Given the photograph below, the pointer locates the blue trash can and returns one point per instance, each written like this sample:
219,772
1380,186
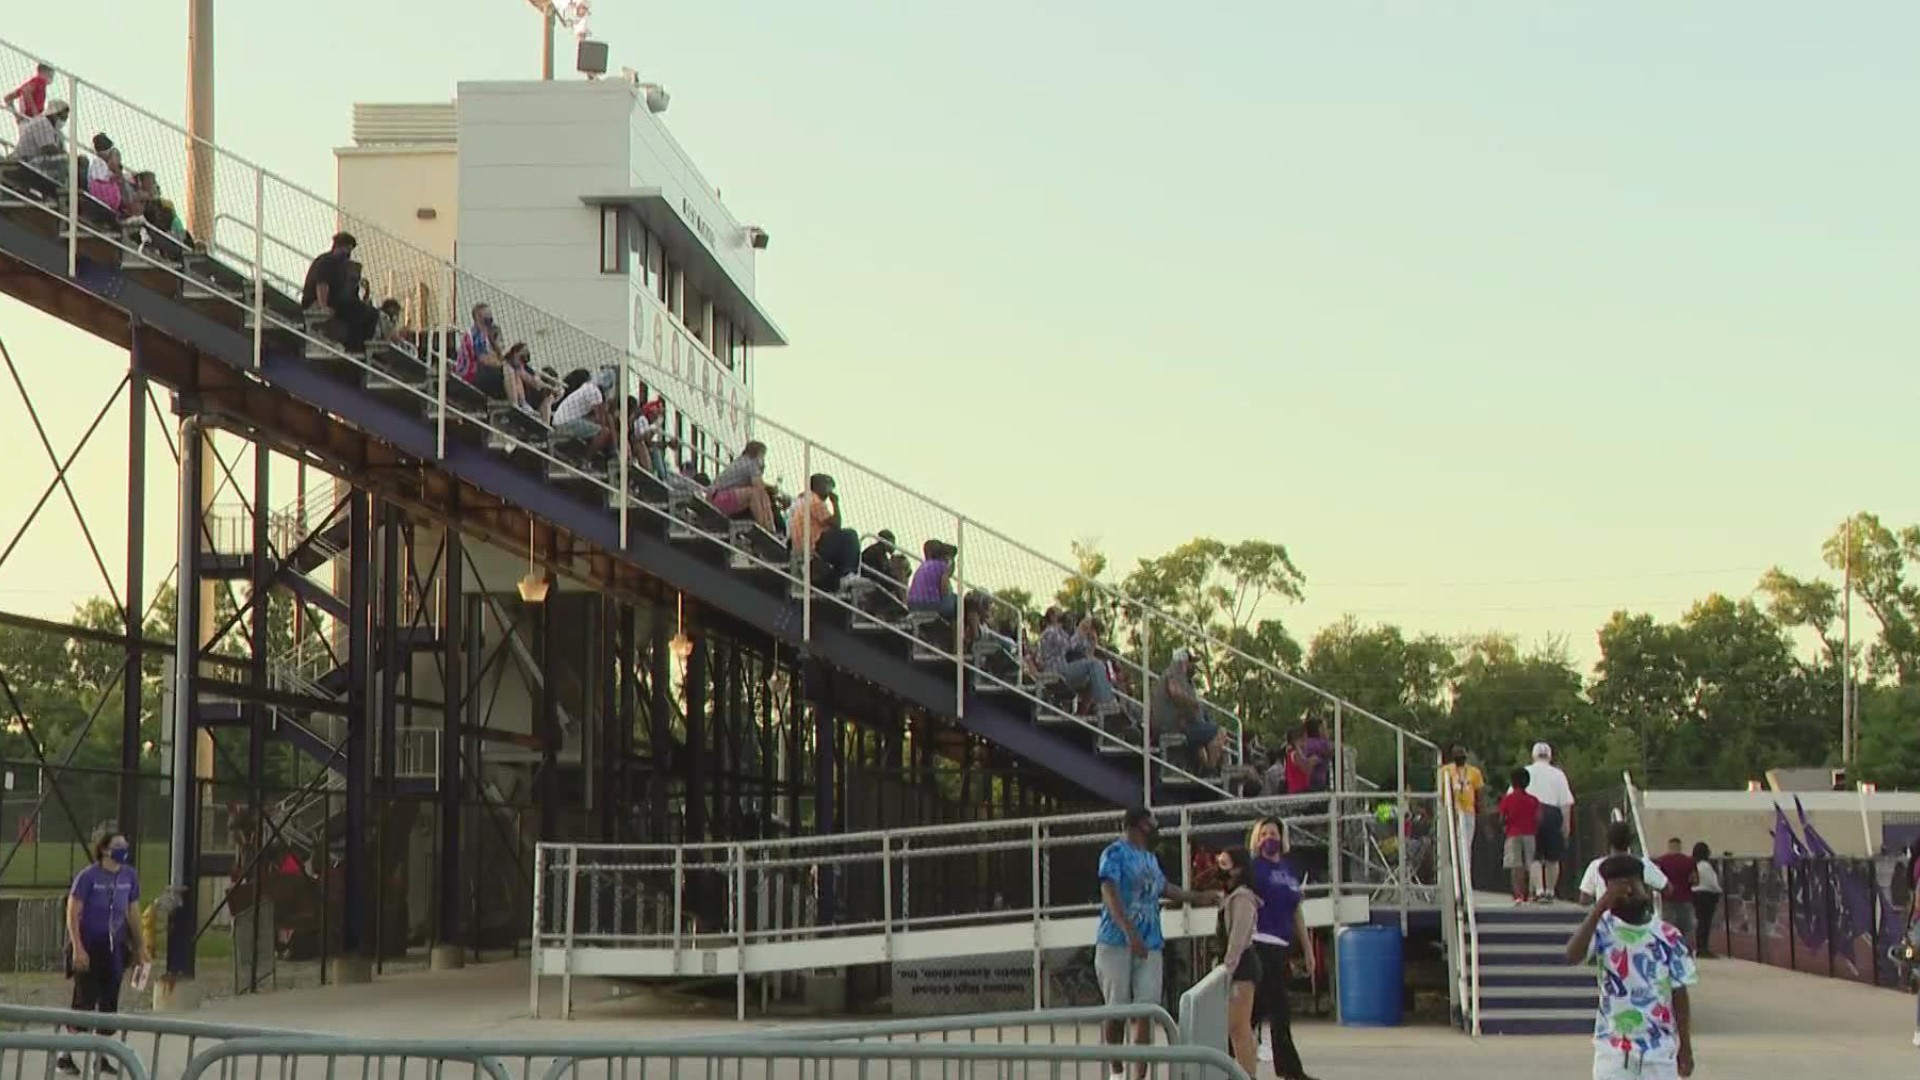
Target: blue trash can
1371,973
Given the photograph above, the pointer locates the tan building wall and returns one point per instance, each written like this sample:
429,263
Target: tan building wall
401,178
1741,823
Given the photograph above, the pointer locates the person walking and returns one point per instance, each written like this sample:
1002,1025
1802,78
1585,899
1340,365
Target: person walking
1239,913
1128,945
1281,924
1520,814
1676,900
1644,1026
102,934
1464,783
1619,842
1706,899
1548,784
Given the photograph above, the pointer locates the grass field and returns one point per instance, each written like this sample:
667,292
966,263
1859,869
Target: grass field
49,867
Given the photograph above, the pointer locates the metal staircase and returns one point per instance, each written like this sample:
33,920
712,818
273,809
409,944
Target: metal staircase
222,325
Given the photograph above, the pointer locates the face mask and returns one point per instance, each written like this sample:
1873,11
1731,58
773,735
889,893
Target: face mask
1634,911
117,854
1459,759
1269,849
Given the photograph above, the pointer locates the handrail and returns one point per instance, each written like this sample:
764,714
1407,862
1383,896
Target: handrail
1466,921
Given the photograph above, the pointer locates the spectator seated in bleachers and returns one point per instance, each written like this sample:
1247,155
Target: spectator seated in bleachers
332,289
884,563
1069,656
931,588
42,150
741,491
391,328
1176,706
814,521
688,481
29,99
582,417
166,230
650,438
506,377
106,177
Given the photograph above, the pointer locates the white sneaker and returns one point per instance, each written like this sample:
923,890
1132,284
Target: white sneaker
1265,1052
1916,1038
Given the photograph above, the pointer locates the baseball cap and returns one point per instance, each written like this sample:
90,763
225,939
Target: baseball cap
1182,655
1542,752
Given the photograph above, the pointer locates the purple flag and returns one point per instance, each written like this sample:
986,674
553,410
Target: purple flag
1786,847
1816,844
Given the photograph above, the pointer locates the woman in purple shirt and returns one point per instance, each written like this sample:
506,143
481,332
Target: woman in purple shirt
103,931
932,586
1280,926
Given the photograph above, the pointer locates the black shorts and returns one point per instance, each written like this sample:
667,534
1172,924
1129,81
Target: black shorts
491,381
1248,969
1550,838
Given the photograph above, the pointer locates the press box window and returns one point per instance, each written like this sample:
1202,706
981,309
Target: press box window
613,241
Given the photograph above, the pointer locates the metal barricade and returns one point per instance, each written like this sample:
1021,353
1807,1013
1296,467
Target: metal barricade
1203,1011
162,1044
741,1058
30,1055
1042,1027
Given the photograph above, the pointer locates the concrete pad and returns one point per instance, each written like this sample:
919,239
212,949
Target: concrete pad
1751,1020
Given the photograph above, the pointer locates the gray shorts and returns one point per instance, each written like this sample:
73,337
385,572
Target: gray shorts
584,430
1126,979
1519,853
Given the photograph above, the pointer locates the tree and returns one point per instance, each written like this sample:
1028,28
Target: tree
1379,668
1505,700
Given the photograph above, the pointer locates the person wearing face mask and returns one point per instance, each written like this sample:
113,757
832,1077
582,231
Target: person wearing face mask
102,933
1281,923
1466,783
1644,1028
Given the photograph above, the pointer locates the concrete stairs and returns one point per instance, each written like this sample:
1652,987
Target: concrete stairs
1526,985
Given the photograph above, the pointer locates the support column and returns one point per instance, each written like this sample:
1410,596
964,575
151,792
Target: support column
796,724
628,714
389,638
453,636
697,759
131,704
612,669
200,170
261,586
548,788
825,751
660,730
185,832
355,964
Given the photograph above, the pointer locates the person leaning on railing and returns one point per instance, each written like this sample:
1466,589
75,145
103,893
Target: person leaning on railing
41,150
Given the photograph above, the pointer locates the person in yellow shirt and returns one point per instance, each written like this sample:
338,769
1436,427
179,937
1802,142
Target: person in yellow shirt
1465,783
814,521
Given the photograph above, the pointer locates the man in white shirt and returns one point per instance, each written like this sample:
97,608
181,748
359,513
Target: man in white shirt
582,415
1548,784
1619,842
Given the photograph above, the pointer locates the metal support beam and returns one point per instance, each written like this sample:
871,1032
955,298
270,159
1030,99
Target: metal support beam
660,729
453,637
549,786
391,539
698,827
184,868
132,703
353,923
261,607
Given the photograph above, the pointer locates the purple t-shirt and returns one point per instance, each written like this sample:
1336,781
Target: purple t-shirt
1318,748
105,897
925,586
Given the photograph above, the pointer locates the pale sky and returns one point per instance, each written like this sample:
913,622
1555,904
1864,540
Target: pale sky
1499,315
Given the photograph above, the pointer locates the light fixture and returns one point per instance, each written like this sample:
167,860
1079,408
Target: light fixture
654,95
681,646
533,587
757,238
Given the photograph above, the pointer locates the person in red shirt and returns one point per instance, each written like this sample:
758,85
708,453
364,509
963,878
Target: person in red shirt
1677,899
29,99
1521,814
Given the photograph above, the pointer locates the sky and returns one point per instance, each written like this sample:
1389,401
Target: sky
1500,315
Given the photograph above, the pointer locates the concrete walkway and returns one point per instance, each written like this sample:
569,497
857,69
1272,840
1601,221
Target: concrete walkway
1752,1021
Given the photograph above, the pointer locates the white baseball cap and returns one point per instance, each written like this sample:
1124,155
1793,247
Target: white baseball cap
1542,752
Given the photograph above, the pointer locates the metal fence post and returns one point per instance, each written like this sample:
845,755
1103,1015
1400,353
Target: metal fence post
73,177
1039,954
1146,709
740,930
573,897
806,550
533,962
886,895
959,617
679,890
259,274
1402,823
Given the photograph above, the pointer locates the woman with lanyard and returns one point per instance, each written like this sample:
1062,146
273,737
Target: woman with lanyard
1281,923
102,933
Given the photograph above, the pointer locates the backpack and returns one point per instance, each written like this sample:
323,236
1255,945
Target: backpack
466,363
